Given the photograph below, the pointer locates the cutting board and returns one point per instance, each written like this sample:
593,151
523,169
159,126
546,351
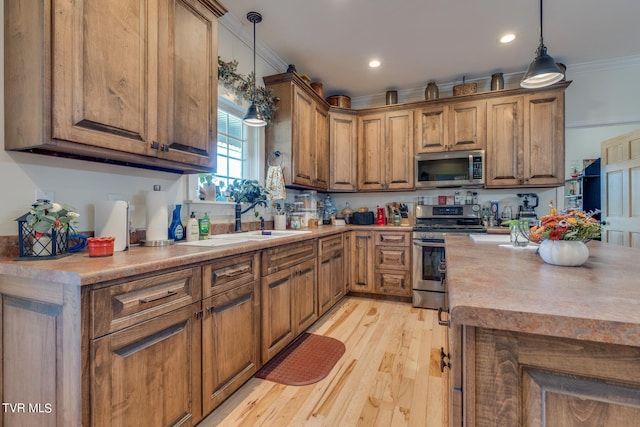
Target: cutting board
112,219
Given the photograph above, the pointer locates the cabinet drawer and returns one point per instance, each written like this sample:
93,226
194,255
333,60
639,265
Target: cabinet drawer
122,305
391,257
285,256
329,244
221,275
393,238
393,283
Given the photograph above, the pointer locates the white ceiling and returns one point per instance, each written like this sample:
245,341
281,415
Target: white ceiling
419,41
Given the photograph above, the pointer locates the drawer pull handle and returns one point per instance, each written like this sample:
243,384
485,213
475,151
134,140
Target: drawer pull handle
231,272
440,321
167,295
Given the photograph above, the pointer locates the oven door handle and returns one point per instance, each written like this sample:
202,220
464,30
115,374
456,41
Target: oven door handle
425,243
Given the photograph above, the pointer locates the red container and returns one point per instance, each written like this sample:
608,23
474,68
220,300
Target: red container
100,246
442,200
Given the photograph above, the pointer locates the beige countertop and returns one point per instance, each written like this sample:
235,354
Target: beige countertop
500,287
80,269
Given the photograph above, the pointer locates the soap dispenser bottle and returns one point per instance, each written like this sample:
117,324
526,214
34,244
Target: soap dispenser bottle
193,231
176,230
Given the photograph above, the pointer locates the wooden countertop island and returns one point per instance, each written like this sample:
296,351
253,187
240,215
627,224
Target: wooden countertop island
537,344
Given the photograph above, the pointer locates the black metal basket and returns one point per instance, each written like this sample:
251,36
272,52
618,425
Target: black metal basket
32,244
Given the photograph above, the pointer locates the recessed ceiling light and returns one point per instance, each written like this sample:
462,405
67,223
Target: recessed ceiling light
374,63
507,38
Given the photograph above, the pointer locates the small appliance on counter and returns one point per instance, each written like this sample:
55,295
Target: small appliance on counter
528,205
380,216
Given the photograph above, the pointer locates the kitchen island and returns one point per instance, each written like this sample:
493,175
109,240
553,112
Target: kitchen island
538,344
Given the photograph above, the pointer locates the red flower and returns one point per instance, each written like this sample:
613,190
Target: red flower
555,235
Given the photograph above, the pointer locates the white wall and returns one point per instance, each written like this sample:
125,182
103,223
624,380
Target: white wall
601,103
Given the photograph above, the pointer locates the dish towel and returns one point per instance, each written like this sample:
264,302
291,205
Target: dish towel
275,183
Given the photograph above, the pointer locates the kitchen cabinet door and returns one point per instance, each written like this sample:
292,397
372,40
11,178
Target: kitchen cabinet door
362,261
331,282
371,152
400,142
278,327
505,141
544,139
188,95
343,140
148,374
304,296
105,74
230,342
432,129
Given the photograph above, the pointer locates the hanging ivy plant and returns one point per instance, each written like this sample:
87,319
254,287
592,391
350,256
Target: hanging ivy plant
242,86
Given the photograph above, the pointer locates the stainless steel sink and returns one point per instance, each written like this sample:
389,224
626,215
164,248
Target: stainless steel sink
274,234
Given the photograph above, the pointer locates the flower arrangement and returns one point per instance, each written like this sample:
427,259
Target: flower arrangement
571,225
243,86
45,216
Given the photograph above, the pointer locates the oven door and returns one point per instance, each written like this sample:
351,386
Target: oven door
429,289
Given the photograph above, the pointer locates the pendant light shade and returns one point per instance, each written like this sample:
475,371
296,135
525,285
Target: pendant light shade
253,117
543,70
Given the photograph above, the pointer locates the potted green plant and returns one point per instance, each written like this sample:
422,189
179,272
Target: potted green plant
249,192
210,187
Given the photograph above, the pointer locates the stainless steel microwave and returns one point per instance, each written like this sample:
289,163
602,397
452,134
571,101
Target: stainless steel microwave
450,169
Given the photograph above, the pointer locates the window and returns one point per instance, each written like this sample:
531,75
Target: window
230,150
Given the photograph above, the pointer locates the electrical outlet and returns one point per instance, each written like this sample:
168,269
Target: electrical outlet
45,194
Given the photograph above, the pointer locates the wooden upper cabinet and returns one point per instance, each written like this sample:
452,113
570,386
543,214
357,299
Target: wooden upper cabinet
300,132
526,140
505,136
188,96
343,150
385,151
128,81
451,126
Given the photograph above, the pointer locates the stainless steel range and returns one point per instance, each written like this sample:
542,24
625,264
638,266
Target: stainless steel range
432,223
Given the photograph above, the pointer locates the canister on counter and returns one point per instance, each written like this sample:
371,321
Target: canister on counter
442,200
495,211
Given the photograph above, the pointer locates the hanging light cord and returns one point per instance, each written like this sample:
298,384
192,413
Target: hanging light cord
541,39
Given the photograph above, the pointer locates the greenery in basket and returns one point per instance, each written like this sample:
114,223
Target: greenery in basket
43,218
571,225
243,86
248,191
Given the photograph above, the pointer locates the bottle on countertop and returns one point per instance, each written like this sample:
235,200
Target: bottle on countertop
552,209
193,230
176,230
203,226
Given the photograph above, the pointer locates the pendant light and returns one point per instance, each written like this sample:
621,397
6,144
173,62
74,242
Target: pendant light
543,70
254,117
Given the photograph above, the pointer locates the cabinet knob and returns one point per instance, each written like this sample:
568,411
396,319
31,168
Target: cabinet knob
165,148
155,145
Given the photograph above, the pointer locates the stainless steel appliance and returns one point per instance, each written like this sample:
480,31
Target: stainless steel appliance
450,169
528,205
432,223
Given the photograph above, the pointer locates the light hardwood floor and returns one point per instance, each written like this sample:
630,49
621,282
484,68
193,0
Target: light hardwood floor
388,376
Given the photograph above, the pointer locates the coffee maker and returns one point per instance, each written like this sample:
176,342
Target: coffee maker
527,207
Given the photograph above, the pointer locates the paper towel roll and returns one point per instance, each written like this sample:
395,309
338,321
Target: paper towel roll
157,215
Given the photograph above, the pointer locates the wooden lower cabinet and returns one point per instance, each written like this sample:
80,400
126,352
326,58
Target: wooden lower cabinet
517,379
288,294
331,282
148,374
230,342
361,261
381,262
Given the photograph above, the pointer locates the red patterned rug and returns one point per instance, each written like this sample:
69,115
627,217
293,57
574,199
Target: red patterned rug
307,360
